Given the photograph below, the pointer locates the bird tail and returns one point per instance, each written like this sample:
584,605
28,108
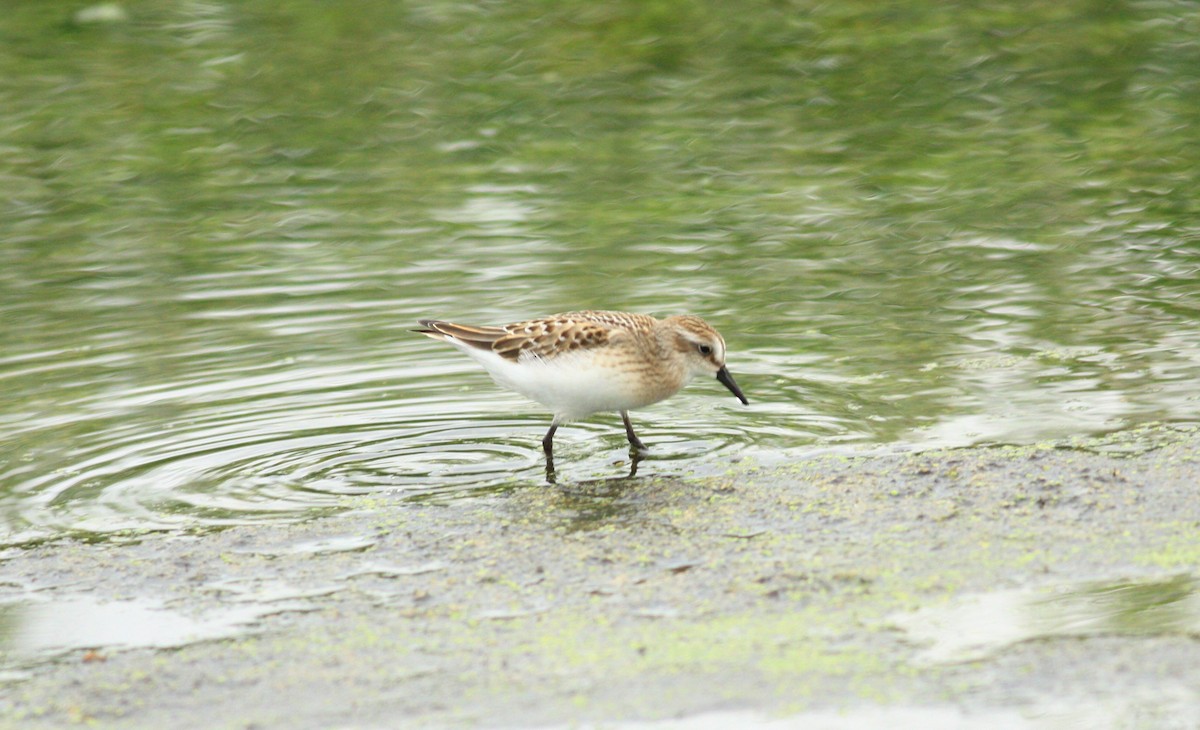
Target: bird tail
479,337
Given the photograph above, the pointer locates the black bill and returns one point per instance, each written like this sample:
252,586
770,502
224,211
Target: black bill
727,380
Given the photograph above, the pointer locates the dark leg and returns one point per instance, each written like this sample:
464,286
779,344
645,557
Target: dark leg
634,441
548,440
635,457
548,447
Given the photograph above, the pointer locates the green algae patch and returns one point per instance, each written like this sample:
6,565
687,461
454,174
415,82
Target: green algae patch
788,643
1179,550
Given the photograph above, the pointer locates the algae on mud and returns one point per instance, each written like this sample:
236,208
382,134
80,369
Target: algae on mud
772,591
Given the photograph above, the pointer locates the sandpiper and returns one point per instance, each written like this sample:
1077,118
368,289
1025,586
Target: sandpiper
580,363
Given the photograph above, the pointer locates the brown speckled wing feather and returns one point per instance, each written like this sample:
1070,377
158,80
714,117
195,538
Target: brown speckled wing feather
546,337
622,320
559,334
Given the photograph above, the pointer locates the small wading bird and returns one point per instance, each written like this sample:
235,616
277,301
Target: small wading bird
580,363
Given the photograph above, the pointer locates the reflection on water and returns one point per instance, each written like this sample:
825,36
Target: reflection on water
962,227
979,626
37,630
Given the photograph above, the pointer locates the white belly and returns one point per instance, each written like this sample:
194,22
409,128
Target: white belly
572,386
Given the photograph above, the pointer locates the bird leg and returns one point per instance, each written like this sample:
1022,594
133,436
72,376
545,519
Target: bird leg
634,441
548,439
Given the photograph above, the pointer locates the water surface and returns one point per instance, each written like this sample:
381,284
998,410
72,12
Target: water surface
936,224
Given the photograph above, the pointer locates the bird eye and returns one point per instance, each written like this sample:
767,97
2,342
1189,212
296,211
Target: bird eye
705,350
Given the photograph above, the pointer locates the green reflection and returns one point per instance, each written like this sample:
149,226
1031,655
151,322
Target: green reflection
977,627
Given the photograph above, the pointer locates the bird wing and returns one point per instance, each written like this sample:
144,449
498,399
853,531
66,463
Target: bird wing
552,336
545,337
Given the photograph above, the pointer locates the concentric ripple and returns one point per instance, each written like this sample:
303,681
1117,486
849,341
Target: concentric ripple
276,444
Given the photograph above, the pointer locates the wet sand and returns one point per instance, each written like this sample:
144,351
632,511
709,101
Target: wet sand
986,587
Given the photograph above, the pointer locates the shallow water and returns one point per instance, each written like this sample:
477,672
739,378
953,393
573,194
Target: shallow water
72,623
979,626
932,225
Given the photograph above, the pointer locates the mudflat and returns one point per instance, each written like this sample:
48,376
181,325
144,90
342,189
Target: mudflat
980,587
